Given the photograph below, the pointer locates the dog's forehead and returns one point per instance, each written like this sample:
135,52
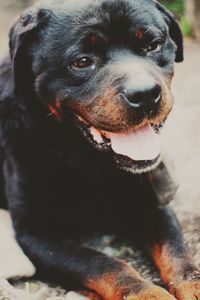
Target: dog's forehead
71,25
92,12
77,4
136,11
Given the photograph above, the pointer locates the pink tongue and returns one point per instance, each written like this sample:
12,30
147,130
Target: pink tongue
141,144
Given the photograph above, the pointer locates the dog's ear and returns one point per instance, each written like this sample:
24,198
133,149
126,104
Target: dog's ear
174,30
22,35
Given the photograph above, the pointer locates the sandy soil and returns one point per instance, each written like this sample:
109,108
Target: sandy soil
181,144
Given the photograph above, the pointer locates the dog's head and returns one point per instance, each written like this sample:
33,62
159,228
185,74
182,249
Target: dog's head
107,65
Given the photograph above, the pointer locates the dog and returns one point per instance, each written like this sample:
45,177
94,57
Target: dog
84,94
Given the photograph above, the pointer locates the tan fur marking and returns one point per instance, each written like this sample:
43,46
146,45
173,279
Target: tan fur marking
55,109
152,293
94,40
90,294
140,34
164,262
112,286
172,272
189,290
109,111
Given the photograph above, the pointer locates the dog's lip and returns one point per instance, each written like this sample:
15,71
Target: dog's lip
103,139
157,127
136,167
96,137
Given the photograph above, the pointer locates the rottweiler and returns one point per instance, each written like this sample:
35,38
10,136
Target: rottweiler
84,94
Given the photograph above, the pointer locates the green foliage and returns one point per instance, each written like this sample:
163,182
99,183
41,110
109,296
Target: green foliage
186,26
175,6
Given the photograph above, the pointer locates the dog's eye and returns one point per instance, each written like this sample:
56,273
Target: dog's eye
82,63
153,47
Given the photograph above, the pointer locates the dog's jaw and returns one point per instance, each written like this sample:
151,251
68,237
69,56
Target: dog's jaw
145,169
104,141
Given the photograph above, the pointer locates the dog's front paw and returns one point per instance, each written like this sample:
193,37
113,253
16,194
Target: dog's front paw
188,290
83,295
152,293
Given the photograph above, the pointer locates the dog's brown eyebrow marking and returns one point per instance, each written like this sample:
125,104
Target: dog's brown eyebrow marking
94,39
140,34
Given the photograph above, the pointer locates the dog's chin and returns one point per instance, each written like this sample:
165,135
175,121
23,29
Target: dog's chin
135,167
104,141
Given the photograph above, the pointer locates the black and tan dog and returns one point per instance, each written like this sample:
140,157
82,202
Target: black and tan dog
83,98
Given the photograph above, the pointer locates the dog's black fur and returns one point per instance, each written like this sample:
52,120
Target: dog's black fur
59,184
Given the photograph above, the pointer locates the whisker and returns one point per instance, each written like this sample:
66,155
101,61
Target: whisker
49,115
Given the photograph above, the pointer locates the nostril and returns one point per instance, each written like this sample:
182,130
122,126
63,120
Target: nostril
122,90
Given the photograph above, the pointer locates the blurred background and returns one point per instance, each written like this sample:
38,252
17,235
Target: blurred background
188,14
181,136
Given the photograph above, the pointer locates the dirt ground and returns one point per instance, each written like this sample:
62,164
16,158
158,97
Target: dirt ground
181,140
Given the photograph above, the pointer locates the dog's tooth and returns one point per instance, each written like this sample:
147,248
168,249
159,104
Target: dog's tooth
96,135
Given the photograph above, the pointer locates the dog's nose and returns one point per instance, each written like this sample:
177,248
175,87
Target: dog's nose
145,98
139,97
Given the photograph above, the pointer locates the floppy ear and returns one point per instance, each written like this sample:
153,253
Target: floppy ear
22,35
174,30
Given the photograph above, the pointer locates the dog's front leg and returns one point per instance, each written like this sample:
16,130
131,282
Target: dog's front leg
61,259
171,255
55,255
78,267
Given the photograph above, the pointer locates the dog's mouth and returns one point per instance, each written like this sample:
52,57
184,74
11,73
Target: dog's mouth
136,150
